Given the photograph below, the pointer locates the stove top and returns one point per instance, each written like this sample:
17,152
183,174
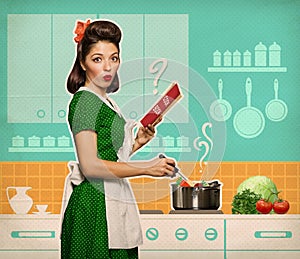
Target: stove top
151,212
196,212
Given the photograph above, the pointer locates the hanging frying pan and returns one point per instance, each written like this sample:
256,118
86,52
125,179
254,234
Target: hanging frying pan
249,122
276,110
220,110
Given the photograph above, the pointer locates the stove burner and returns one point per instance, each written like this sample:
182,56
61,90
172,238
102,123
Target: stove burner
196,212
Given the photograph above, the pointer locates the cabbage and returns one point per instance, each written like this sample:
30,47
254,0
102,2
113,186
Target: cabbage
260,185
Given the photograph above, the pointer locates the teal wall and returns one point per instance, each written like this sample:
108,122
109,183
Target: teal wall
186,33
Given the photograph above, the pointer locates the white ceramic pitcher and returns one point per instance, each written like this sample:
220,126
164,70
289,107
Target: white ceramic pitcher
21,203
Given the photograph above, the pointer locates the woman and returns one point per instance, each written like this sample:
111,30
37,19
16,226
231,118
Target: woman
101,219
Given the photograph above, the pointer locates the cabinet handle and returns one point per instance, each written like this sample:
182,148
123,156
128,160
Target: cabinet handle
33,234
41,113
61,113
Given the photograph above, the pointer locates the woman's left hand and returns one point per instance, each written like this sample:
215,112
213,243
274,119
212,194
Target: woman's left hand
145,134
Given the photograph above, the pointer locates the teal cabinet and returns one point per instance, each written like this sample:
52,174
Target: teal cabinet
130,95
41,51
63,55
29,68
147,39
167,38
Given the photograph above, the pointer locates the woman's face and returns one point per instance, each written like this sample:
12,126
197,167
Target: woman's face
101,65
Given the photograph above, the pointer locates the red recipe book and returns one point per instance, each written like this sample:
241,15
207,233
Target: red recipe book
169,98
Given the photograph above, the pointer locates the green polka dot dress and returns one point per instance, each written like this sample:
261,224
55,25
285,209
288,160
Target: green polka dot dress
84,228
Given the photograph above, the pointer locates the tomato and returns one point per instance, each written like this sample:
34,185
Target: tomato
184,184
198,185
264,206
281,206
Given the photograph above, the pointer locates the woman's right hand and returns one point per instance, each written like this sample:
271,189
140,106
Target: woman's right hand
160,167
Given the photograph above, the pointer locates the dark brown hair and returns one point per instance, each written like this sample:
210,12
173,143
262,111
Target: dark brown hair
96,31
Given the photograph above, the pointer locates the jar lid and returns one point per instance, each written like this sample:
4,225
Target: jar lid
274,46
260,46
48,138
34,138
227,52
63,138
18,137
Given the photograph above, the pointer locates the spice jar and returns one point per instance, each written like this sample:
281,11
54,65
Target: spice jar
260,55
274,55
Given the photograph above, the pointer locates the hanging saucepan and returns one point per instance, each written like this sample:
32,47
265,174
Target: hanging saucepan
220,110
249,122
276,109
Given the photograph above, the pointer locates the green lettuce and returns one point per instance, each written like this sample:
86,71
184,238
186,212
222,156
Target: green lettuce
260,185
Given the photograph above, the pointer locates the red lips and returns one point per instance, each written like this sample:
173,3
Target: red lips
107,77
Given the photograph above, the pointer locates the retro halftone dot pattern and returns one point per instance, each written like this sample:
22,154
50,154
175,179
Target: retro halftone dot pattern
86,221
88,112
86,210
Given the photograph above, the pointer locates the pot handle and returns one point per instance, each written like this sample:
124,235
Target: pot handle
195,191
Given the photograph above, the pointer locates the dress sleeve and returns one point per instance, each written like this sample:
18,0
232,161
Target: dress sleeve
84,112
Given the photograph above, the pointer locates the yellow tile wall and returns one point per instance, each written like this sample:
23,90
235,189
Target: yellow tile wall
45,178
47,182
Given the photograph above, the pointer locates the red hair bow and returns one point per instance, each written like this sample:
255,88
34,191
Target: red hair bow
79,30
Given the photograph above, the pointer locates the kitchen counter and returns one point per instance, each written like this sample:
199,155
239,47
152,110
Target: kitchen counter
168,236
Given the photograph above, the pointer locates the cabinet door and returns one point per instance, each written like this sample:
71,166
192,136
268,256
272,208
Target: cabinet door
64,54
29,68
145,38
130,96
166,36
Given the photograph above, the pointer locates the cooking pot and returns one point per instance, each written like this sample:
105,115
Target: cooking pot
196,198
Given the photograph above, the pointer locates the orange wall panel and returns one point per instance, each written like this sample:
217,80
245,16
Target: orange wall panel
47,182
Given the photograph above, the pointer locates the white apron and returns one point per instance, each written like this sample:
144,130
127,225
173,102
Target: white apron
123,222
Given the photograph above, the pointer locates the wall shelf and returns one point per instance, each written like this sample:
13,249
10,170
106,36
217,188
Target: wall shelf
41,149
166,149
70,149
247,69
